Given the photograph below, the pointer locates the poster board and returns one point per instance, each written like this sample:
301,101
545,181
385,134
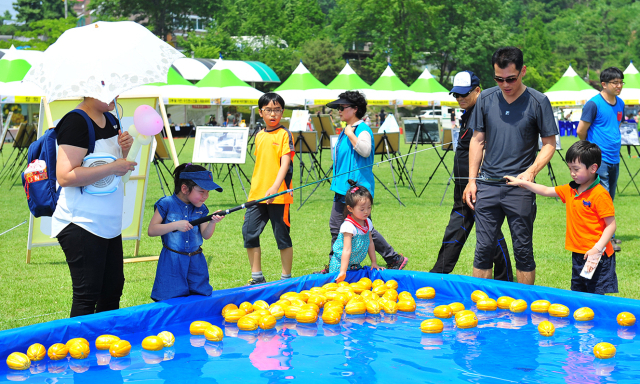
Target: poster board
322,123
558,143
393,140
629,134
220,145
334,141
162,152
430,132
135,189
450,135
5,129
299,120
308,145
390,125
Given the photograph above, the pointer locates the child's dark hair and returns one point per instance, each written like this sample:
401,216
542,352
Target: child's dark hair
356,98
585,152
185,167
507,55
269,97
356,193
610,74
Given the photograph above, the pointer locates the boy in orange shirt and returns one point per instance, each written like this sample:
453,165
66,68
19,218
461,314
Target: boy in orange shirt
272,174
590,219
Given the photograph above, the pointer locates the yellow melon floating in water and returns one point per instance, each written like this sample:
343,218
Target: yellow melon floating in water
312,307
304,295
246,306
284,303
373,307
380,290
36,352
343,284
407,306
358,287
626,319
546,328
487,304
583,314
316,299
57,351
317,291
79,350
391,294
167,338
366,282
267,322
467,320
231,316
277,311
291,311
389,307
307,316
261,313
120,348
518,306
504,302
432,326
103,342
391,284
604,350
198,327
377,282
330,316
18,361
297,302
456,307
248,323
477,295
289,296
404,295
355,308
558,310
442,311
75,340
540,306
228,307
260,304
426,293
213,333
153,343
462,313
330,286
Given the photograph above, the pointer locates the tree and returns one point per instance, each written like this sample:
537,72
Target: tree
45,32
322,58
35,10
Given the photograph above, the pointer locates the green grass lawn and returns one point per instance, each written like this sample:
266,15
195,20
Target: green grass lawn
41,291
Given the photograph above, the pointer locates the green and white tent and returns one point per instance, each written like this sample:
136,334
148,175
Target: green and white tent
14,65
225,88
389,90
570,90
348,80
302,88
176,88
430,91
631,90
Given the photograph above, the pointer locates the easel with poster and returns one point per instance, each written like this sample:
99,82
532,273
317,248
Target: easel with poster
629,138
136,188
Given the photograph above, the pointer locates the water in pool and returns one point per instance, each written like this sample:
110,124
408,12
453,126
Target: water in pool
504,348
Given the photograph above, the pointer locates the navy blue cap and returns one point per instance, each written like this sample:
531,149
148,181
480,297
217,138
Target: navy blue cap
464,82
204,180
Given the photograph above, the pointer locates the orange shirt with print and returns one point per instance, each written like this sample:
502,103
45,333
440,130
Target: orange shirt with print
270,146
585,216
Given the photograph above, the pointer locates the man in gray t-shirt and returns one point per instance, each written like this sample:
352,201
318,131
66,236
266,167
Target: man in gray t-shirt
507,121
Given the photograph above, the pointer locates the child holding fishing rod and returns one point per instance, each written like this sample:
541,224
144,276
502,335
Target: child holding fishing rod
182,268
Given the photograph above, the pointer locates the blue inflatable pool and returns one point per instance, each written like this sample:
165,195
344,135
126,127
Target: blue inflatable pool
503,348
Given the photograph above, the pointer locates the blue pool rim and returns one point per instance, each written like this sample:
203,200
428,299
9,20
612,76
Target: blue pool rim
155,316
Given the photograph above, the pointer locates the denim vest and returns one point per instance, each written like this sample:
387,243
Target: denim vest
346,159
171,208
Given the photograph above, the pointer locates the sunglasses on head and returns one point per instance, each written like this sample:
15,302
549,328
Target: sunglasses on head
343,107
509,80
463,95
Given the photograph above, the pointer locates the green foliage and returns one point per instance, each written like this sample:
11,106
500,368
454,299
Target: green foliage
45,32
35,10
322,58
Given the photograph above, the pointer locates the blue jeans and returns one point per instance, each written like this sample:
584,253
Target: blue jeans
609,177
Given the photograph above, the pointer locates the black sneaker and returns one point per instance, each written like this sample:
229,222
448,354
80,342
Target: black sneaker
616,241
616,247
324,271
253,281
400,263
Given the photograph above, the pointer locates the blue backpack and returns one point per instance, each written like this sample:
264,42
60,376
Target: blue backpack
42,196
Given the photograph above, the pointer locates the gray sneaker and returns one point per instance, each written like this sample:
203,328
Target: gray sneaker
616,247
253,281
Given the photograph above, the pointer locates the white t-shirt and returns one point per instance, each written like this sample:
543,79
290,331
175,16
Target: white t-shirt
348,227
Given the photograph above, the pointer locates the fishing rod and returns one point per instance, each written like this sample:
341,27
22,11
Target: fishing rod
254,202
484,178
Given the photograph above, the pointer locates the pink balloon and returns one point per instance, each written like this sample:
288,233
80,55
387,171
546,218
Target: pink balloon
147,120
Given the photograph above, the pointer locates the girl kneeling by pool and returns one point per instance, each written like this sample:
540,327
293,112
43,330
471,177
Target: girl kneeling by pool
354,241
182,268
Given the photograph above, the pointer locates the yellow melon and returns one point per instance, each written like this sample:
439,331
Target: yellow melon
504,302
604,350
366,282
377,282
79,350
518,306
330,286
389,307
391,294
358,287
318,300
404,295
442,311
228,307
546,328
432,326
57,351
355,308
330,316
307,315
248,323
103,342
198,326
75,340
392,284
626,319
246,306
583,314
36,352
426,293
260,304
406,306
477,295
213,333
231,316
468,320
380,290
18,361
540,306
291,311
267,322
456,307
167,338
558,310
153,343
120,348
487,304
304,295
373,307
462,313
277,311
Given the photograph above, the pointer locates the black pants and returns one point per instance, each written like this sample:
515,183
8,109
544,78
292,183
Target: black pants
382,247
96,268
455,235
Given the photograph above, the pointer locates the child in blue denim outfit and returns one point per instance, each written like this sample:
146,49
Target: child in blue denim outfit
182,268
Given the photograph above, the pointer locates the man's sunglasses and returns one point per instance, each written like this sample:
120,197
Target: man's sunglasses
342,108
457,95
509,80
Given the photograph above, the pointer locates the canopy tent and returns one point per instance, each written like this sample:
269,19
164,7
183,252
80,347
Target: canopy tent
631,90
429,90
570,90
248,71
301,88
176,87
348,80
13,70
22,92
224,85
31,57
389,90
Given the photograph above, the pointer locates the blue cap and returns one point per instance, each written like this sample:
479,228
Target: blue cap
464,82
204,180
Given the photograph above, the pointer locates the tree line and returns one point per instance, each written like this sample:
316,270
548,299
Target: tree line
448,36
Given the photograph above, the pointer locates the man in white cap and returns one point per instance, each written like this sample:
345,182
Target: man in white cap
466,89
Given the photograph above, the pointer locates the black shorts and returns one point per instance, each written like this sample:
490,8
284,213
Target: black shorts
604,279
256,218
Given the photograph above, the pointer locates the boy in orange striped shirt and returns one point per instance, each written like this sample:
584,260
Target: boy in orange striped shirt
590,219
